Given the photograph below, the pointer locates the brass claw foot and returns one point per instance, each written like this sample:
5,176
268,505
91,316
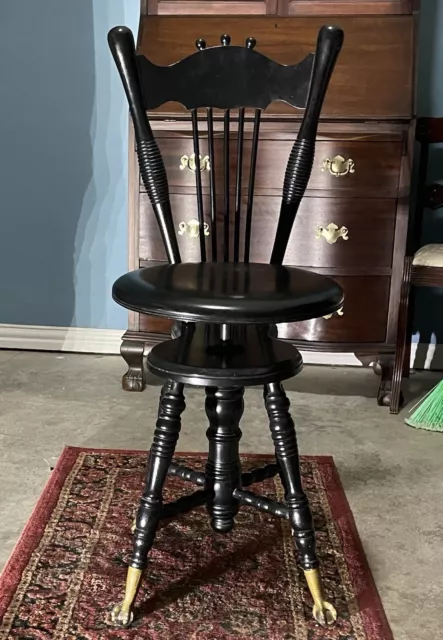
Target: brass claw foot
122,614
323,611
325,614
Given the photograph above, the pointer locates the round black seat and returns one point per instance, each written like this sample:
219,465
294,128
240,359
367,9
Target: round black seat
220,292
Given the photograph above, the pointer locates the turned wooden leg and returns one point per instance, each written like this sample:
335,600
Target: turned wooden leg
286,451
402,330
224,408
172,404
132,352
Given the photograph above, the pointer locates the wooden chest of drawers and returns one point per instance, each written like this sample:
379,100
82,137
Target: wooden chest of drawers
353,221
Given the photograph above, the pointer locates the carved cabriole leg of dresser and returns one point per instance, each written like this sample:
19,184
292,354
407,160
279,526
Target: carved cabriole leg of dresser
132,352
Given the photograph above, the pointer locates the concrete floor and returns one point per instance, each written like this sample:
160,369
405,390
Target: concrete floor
392,474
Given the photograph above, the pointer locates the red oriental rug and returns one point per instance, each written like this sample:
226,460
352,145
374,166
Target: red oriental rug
69,567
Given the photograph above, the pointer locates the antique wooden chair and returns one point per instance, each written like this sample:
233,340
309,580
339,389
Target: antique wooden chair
226,303
423,264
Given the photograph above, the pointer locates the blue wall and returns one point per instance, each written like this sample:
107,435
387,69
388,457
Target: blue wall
63,171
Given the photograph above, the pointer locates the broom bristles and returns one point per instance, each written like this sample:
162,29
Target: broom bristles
429,414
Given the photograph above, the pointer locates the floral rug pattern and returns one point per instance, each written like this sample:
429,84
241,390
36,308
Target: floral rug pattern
69,568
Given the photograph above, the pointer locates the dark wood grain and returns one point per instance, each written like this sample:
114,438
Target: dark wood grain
377,166
273,7
401,232
364,318
197,7
155,325
376,48
369,244
343,7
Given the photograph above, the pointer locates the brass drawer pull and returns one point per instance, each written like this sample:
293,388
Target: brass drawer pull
332,233
338,166
192,228
339,312
188,162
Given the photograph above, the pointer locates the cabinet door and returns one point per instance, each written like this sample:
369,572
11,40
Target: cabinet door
208,7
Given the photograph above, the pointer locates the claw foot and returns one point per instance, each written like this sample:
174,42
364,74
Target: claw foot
325,614
323,611
122,616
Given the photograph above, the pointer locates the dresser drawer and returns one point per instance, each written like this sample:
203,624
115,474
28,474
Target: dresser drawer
313,243
364,318
179,159
342,167
363,237
184,210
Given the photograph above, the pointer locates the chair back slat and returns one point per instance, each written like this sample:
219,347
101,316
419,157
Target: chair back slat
226,163
238,183
251,186
212,191
231,79
198,181
301,158
152,168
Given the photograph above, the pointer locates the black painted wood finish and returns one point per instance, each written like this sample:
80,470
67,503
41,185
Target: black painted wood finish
199,357
249,477
172,404
227,305
233,293
230,78
224,408
261,503
286,451
187,474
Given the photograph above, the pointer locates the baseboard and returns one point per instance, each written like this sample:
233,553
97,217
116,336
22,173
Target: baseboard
74,339
79,340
